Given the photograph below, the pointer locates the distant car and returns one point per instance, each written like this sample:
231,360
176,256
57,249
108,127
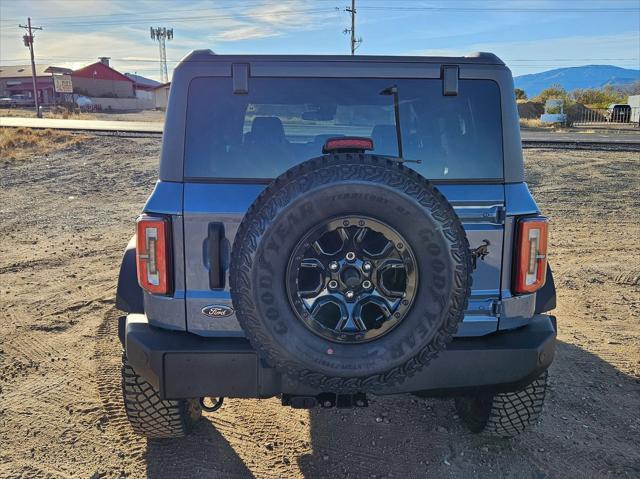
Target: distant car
618,113
14,101
83,101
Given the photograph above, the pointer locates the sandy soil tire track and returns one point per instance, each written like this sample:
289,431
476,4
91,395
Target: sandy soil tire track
66,218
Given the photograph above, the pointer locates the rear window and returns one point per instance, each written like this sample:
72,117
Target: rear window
284,121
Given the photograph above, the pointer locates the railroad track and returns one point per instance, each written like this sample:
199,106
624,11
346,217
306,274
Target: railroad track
530,143
582,145
568,144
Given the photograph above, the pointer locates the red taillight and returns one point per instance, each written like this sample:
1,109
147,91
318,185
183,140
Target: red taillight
531,255
152,254
347,143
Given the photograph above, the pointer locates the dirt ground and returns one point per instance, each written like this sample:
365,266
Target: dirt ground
65,219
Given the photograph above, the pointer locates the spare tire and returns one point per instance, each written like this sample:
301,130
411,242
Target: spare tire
350,272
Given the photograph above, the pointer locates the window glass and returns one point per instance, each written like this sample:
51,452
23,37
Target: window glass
284,121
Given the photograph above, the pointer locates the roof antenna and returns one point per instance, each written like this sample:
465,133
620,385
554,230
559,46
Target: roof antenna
393,90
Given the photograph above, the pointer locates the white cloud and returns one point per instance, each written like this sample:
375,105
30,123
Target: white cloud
97,31
78,32
246,33
278,14
538,55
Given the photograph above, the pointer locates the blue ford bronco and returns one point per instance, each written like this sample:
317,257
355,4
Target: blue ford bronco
326,228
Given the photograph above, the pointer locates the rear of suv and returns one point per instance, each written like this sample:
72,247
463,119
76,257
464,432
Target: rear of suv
328,227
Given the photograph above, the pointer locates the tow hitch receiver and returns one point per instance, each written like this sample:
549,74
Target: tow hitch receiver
325,400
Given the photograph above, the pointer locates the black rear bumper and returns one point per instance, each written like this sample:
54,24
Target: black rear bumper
183,365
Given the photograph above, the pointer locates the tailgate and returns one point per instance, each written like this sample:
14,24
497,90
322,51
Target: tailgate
213,212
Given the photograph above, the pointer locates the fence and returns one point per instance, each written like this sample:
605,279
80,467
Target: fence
120,104
619,115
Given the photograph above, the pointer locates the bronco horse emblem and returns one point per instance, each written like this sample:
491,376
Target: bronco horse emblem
480,252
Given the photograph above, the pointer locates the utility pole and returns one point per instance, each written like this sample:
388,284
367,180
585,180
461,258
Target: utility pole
355,43
162,34
28,42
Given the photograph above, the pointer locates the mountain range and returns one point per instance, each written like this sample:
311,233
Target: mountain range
570,78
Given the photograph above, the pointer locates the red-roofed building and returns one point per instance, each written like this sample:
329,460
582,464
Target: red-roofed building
100,80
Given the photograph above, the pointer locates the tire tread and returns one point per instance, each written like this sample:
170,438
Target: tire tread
318,171
151,416
505,414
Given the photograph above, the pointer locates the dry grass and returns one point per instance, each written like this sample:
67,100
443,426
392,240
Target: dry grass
21,143
532,123
59,113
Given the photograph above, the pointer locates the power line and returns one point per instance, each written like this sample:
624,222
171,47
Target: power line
171,15
190,19
237,5
124,59
506,9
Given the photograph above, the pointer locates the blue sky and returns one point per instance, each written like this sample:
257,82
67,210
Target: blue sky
530,35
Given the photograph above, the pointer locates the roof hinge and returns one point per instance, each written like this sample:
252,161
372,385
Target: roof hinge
450,80
240,74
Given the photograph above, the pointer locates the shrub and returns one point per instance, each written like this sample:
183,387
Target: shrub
520,94
553,92
598,97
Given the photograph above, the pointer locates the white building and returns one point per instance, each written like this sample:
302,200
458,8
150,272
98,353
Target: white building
634,103
161,96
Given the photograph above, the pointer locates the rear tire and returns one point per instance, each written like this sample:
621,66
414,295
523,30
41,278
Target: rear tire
504,414
151,416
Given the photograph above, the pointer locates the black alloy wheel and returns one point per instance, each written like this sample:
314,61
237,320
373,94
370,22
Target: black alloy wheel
352,279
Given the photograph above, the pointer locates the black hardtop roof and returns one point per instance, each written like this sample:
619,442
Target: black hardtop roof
239,68
482,58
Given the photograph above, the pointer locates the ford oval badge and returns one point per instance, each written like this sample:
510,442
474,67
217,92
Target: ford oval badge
217,311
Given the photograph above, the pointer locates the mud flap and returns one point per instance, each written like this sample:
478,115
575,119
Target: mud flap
129,296
546,296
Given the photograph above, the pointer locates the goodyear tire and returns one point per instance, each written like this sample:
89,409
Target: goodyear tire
367,227
151,416
504,414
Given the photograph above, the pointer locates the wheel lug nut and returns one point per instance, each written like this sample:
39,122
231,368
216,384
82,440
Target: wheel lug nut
351,256
366,266
333,284
334,266
349,294
366,284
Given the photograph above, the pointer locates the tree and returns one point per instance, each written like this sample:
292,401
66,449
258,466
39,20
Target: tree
520,94
598,97
555,91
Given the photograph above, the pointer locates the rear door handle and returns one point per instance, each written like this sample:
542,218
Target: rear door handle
216,270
